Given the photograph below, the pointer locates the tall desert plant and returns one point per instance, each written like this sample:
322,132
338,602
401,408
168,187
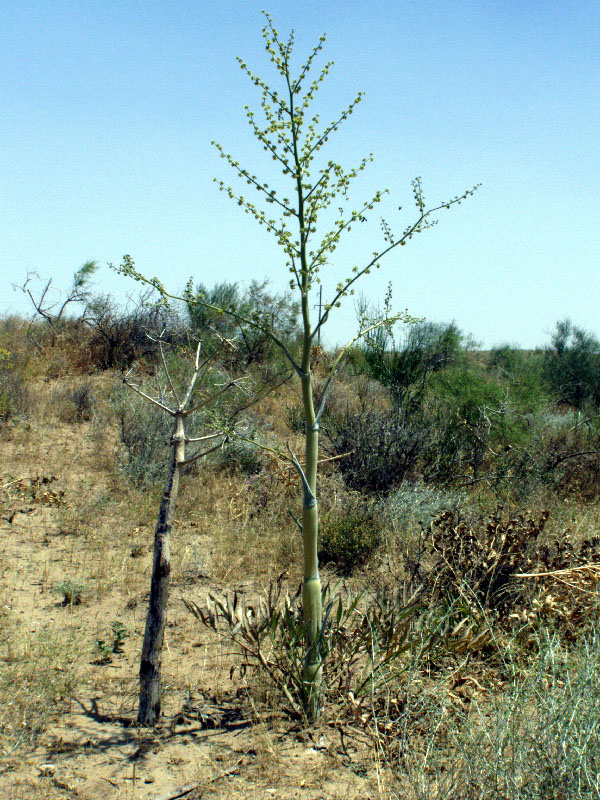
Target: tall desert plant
294,141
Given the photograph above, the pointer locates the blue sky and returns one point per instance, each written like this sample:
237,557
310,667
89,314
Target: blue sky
109,109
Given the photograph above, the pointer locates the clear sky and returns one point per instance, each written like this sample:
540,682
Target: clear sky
109,109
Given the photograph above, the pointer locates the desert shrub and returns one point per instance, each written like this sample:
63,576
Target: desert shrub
76,404
121,336
405,368
465,427
563,454
366,638
380,449
481,559
482,556
145,433
278,312
449,417
16,354
471,416
416,503
536,738
348,535
506,360
521,372
242,456
146,430
294,418
572,366
106,648
14,396
73,592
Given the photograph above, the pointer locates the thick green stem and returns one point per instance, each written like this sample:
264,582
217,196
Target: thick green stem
312,609
311,591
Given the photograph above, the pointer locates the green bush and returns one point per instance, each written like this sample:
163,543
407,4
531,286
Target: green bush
349,535
73,592
242,456
405,369
564,453
276,312
572,366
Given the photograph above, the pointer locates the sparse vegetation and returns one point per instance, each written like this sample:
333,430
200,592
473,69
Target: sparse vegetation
453,648
73,592
438,642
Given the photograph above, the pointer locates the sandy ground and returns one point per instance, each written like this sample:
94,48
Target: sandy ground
61,521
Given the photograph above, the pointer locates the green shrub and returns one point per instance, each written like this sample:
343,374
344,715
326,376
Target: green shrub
294,418
564,453
572,366
405,369
241,456
73,592
106,649
349,535
277,312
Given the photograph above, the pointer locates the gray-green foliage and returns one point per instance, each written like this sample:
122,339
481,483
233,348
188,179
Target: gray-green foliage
145,433
414,504
73,591
242,454
537,736
145,429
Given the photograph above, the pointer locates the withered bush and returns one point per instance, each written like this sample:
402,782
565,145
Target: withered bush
120,336
566,454
483,560
483,556
14,357
14,396
77,404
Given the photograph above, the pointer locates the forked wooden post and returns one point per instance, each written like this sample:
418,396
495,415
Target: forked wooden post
150,664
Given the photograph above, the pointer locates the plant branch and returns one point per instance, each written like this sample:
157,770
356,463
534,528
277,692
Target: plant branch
309,498
203,453
148,397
